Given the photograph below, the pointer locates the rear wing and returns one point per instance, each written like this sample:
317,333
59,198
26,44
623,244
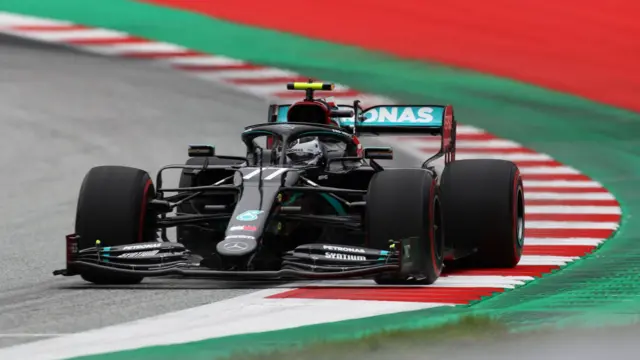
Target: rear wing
393,120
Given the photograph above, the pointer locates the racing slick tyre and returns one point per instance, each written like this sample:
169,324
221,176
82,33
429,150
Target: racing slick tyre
401,204
112,208
198,239
483,206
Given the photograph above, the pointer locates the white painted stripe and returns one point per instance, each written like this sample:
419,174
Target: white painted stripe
61,36
481,144
241,74
468,129
530,170
270,89
9,20
567,196
510,157
563,242
458,281
143,48
203,60
247,313
546,260
444,281
561,184
536,209
570,225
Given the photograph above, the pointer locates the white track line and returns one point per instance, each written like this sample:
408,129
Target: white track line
561,184
546,260
570,225
241,74
563,242
143,48
480,144
68,35
560,209
203,60
548,170
510,157
568,196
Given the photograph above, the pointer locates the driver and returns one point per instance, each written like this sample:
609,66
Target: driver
315,150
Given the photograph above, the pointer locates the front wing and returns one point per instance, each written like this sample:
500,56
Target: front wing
155,259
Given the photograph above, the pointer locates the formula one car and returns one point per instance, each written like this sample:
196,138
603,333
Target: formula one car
308,201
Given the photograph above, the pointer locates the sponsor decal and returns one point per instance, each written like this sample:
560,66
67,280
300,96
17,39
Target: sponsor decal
141,247
236,246
389,115
329,255
139,254
243,228
341,248
249,215
240,237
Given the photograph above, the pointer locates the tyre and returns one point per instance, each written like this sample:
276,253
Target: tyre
112,208
405,203
483,205
198,239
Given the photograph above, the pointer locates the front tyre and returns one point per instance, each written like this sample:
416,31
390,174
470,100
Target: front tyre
401,204
112,208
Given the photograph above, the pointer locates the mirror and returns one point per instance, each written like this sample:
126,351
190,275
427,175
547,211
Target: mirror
201,150
378,153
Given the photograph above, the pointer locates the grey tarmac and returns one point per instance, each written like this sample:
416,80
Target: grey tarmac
62,112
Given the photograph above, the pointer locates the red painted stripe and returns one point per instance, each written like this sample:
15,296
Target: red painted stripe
520,270
573,217
560,202
568,233
267,81
49,27
569,177
320,94
565,190
557,250
218,67
108,41
160,54
408,294
534,163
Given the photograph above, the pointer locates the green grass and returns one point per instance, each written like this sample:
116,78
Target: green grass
468,329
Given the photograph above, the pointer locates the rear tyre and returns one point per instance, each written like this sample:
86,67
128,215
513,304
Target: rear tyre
483,204
405,203
112,208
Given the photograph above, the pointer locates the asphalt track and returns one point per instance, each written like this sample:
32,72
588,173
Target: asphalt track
62,112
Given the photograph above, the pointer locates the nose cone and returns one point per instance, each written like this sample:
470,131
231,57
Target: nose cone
237,245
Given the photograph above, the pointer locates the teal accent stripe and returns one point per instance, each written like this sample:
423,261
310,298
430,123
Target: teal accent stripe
335,204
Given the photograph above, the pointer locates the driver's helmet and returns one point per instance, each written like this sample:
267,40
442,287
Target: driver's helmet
305,151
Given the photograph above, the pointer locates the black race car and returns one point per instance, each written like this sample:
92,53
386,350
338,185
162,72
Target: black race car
307,202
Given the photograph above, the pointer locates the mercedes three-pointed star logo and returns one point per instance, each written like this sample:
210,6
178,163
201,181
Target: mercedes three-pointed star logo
234,246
